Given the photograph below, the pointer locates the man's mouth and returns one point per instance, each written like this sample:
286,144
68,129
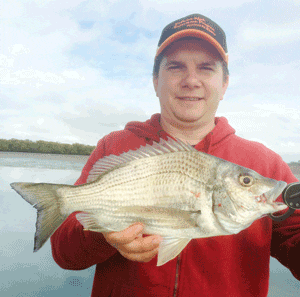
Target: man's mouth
190,98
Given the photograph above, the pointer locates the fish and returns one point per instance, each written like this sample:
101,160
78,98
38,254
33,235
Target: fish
174,190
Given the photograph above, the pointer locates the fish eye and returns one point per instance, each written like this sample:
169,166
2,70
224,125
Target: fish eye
246,180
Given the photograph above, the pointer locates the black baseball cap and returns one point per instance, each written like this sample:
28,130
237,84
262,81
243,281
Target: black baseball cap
194,25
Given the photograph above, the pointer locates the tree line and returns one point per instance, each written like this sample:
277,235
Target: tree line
49,147
44,147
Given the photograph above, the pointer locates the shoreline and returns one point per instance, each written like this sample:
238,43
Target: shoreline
81,158
65,157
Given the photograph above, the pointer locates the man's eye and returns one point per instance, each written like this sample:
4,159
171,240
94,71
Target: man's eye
207,68
173,67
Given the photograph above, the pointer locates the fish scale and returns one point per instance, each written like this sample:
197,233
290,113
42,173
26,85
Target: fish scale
130,193
174,190
124,182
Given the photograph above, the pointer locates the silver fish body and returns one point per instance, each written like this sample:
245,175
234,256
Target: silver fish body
174,190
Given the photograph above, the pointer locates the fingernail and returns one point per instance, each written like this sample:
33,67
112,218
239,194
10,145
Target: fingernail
156,240
138,228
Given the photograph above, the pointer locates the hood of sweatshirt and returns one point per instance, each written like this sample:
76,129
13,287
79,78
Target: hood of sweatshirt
151,130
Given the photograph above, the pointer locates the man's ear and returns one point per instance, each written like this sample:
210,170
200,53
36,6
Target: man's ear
225,86
155,84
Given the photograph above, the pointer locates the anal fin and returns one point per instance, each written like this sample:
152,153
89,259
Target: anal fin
170,248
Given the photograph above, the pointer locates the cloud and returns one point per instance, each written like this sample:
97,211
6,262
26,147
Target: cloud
2,224
257,34
84,113
295,2
278,109
275,80
258,121
183,5
290,144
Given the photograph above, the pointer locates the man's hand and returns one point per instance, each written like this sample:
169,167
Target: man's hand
132,245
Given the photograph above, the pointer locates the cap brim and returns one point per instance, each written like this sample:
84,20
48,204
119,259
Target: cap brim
193,33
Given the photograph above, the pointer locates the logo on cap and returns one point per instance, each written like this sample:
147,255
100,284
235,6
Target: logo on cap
195,22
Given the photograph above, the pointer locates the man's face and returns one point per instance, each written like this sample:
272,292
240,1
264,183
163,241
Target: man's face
190,83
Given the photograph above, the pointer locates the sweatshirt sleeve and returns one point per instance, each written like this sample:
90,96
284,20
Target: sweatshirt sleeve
73,248
285,245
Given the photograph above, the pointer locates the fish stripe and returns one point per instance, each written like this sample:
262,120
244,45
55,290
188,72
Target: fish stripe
157,149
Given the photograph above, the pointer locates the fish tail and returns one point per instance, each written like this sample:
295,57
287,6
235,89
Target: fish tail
46,199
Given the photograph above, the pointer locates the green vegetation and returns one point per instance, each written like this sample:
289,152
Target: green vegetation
295,167
48,147
44,147
295,163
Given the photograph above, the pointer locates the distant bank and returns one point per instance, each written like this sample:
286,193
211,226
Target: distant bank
48,147
44,147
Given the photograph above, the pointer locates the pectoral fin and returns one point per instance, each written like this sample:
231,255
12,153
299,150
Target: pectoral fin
169,248
90,222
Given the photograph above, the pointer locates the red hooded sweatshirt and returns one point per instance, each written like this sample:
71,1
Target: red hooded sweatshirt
231,265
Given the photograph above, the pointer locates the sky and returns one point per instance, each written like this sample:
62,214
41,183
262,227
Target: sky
74,71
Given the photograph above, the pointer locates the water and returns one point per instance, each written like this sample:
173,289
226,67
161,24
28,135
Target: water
27,274
22,272
45,161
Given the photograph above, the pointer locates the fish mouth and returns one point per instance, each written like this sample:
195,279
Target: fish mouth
270,196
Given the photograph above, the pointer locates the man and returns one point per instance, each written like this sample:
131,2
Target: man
190,79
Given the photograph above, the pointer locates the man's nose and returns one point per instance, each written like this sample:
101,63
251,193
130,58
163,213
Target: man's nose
191,79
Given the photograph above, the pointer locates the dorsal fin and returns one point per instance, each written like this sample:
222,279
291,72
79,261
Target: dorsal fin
157,148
